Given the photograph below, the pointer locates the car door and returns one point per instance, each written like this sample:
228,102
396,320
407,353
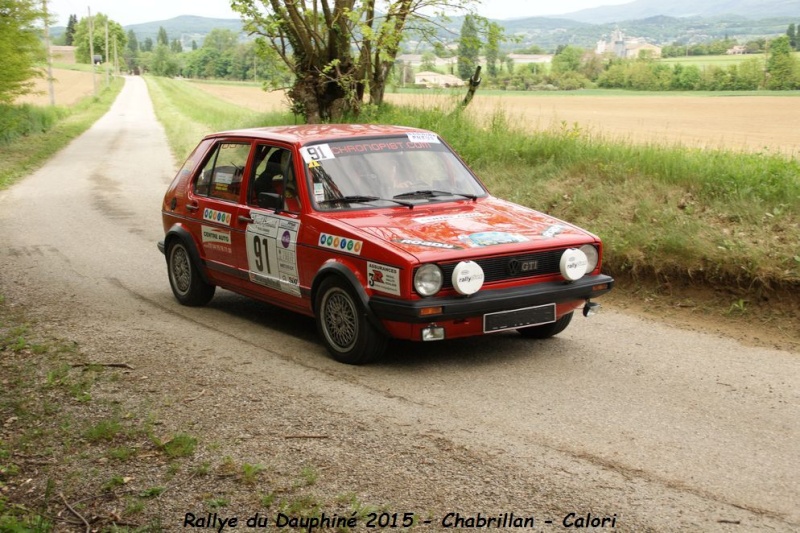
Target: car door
272,223
214,199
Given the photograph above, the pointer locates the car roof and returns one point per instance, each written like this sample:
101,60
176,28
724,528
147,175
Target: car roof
309,133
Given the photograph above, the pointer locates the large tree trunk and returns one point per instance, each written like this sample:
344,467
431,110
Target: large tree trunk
319,99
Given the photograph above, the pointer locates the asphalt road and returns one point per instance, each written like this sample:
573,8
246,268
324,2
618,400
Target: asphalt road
682,430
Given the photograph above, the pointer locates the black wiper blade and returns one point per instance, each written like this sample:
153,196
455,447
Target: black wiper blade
433,192
358,199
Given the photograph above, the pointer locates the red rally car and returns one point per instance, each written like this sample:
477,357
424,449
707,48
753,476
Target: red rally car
378,232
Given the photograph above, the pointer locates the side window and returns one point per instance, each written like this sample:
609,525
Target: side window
273,172
222,174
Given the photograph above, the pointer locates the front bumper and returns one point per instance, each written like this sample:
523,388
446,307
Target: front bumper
490,301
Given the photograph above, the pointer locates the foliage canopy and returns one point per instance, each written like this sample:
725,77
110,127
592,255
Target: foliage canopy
340,51
20,47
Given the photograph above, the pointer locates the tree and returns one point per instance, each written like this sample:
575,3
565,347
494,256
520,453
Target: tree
130,54
339,50
162,38
791,33
69,33
20,47
147,46
115,34
493,39
782,66
567,59
469,47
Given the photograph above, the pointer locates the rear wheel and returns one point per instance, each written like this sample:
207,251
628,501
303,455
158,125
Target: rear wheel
187,284
545,331
343,324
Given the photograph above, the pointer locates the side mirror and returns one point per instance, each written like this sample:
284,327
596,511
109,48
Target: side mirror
270,200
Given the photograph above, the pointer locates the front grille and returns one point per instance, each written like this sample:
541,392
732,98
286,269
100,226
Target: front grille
511,266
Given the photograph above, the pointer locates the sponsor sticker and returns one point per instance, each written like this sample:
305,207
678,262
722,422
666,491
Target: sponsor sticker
444,218
491,238
383,278
220,217
429,244
423,138
341,244
216,235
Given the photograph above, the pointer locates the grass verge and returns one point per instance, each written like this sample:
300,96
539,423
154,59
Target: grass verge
83,447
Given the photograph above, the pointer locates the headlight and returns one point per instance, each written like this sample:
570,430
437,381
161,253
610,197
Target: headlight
573,264
591,256
428,280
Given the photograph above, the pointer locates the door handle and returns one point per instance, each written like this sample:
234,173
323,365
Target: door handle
192,207
245,219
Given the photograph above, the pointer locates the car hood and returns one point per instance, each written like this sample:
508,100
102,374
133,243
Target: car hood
484,227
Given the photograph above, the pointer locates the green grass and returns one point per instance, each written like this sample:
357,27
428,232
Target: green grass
721,218
707,61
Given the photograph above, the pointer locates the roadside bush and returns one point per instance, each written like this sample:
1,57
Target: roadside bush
20,121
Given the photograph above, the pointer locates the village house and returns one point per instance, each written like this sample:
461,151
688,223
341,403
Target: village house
627,47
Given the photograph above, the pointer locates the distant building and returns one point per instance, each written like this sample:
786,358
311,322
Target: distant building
627,47
737,50
434,80
63,54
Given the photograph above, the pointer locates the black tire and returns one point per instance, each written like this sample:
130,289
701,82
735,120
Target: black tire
546,331
343,325
187,284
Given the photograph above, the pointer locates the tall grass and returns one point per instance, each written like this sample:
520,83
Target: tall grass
719,217
22,120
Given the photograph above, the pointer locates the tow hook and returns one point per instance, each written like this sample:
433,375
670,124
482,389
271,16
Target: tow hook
591,308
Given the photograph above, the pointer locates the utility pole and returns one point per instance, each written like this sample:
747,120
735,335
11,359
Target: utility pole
108,64
50,87
91,51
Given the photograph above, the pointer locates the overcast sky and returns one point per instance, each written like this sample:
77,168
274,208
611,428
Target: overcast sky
133,12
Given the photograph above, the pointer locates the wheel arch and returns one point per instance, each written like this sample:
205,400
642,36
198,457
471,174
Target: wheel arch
178,232
335,268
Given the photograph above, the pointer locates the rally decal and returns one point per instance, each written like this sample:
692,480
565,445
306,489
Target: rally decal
419,137
491,238
220,217
217,236
318,152
429,244
340,244
383,278
272,252
552,231
444,218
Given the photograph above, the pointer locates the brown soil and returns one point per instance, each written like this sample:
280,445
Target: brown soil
69,87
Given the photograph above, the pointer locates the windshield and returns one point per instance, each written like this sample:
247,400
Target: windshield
404,170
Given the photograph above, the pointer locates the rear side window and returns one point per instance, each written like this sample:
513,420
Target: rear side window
222,173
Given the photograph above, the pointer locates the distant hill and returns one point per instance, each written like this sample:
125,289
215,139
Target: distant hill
187,28
551,32
641,9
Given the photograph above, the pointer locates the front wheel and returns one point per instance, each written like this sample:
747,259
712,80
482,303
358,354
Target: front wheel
545,331
343,324
187,284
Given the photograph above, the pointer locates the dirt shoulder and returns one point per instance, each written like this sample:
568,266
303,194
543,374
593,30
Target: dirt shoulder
89,441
